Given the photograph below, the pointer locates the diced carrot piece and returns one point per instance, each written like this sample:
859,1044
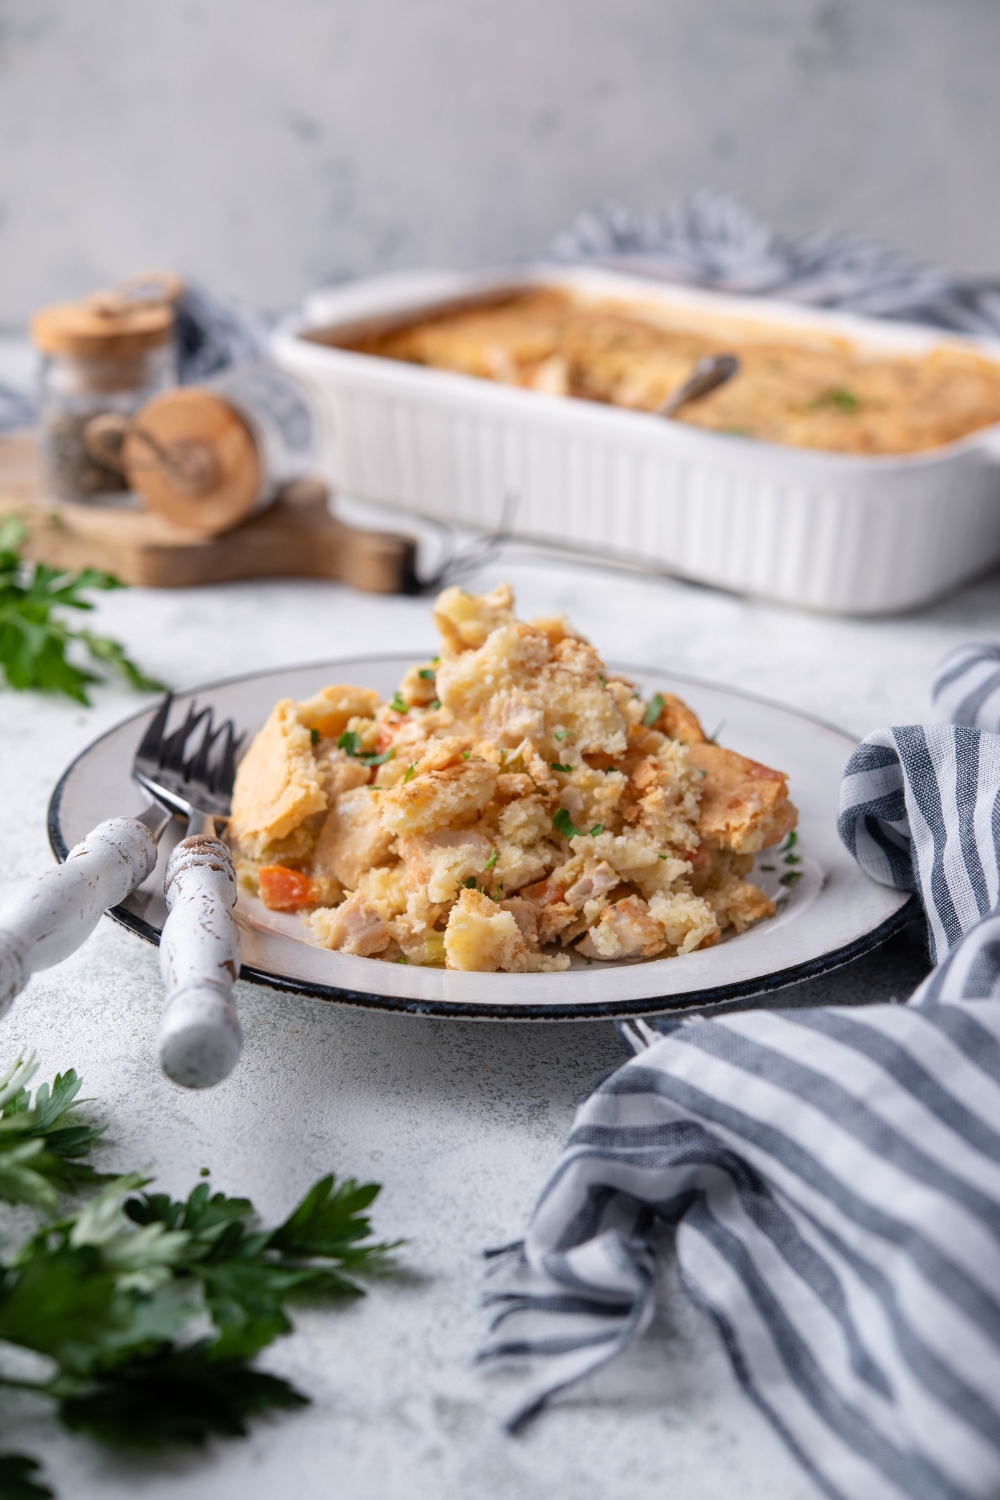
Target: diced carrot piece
282,889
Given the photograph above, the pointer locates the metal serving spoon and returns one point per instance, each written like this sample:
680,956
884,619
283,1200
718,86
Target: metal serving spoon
709,373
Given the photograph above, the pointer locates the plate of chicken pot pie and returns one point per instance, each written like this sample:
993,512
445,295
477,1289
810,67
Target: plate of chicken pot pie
508,826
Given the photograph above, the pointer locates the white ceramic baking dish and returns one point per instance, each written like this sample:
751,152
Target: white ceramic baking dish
826,531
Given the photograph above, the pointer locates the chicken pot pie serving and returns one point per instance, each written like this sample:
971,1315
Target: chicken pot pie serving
512,800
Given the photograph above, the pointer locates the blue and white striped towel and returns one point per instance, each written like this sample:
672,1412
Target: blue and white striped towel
833,1174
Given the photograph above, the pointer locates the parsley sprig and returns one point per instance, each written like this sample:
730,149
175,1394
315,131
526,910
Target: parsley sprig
112,1292
34,636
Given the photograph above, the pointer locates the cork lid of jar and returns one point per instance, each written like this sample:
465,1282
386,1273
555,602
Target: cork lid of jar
119,324
193,459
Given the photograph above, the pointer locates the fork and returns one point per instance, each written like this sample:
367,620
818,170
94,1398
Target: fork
200,1036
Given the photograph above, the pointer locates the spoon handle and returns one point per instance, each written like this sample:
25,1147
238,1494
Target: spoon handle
712,371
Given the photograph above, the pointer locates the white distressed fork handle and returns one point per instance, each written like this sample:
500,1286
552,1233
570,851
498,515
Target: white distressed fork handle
45,922
200,1035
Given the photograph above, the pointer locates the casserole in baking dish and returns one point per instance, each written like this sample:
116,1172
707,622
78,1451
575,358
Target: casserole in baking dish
852,525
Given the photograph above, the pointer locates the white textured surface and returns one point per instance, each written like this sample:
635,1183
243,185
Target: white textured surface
461,1122
269,147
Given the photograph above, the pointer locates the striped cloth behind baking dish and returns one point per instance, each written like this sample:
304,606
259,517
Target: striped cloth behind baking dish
833,1174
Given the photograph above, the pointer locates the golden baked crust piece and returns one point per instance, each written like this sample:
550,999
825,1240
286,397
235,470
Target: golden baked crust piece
744,805
277,784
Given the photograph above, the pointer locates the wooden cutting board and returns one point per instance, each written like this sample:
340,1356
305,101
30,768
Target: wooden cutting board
296,536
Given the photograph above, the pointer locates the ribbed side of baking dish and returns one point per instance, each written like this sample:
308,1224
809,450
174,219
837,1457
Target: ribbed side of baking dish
824,531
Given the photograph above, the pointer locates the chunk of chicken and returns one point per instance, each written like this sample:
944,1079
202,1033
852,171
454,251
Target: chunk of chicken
352,839
625,930
353,927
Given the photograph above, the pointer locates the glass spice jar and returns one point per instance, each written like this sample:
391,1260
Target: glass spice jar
104,356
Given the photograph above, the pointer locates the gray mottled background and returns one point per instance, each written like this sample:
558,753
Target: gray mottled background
266,146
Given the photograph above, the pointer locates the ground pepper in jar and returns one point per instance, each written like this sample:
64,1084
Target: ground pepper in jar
103,356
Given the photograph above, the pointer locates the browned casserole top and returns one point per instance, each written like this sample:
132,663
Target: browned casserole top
810,391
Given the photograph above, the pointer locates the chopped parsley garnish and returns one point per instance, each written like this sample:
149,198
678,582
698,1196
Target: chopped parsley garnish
411,771
597,828
314,736
838,397
470,883
654,709
663,856
562,734
769,868
789,843
713,738
350,741
556,766
789,876
466,754
564,823
427,673
600,678
434,703
490,862
399,704
791,859
401,959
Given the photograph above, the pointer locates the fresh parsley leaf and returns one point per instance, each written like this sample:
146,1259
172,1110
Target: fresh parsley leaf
399,704
597,828
17,1478
654,709
470,883
564,823
34,636
427,673
434,704
557,767
350,741
41,1141
838,397
175,1396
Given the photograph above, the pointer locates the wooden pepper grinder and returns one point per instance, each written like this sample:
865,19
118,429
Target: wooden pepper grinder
208,458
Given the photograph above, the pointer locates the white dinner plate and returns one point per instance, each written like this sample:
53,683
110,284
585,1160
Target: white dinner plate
832,913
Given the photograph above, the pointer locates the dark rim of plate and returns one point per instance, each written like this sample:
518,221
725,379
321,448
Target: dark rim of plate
470,1011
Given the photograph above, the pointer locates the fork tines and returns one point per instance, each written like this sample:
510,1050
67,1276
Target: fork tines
213,770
